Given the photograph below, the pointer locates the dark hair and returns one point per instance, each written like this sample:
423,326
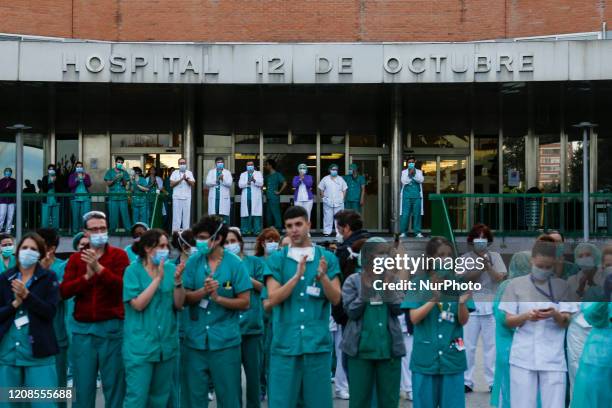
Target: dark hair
478,230
8,168
149,239
51,166
544,246
558,233
238,234
77,163
272,163
182,158
95,216
181,238
219,158
119,158
137,170
411,157
210,224
50,236
351,218
260,241
434,243
295,212
4,236
40,244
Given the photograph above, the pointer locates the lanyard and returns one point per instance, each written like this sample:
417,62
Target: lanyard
550,296
19,276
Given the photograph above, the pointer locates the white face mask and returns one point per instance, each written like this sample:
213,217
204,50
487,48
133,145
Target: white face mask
586,262
298,253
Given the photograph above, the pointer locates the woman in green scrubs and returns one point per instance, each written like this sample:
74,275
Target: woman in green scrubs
7,254
153,292
29,295
137,230
438,357
140,190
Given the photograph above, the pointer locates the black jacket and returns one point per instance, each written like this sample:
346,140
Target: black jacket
40,306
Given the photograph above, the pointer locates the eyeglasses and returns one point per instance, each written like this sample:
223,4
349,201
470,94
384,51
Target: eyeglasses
98,230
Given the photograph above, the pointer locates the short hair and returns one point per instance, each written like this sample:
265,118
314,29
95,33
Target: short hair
184,237
349,217
50,236
295,212
182,158
40,244
558,233
544,247
211,224
260,241
137,170
411,157
4,236
478,230
272,163
97,215
51,165
119,158
77,163
219,158
149,239
432,246
8,168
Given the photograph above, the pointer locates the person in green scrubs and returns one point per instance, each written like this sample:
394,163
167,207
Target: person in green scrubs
138,229
218,287
153,292
29,294
140,189
411,203
275,184
355,195
51,262
251,321
79,183
7,252
438,356
302,281
117,180
50,205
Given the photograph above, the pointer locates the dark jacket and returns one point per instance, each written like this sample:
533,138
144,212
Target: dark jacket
40,306
73,181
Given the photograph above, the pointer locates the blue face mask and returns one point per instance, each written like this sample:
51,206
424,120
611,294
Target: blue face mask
28,257
333,173
7,174
79,170
271,247
220,166
234,248
202,246
411,165
540,273
303,171
250,168
160,254
182,167
98,240
8,250
51,172
480,244
119,166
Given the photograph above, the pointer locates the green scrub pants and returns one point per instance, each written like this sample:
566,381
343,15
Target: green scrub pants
273,213
251,346
140,213
411,206
367,376
79,208
226,218
50,216
440,390
352,205
148,385
41,377
198,366
116,208
265,361
250,225
89,354
306,375
61,366
175,394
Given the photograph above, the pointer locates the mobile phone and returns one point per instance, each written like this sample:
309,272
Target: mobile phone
86,246
548,309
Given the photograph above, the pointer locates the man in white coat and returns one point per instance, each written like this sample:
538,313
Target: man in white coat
411,202
181,181
251,181
219,182
333,189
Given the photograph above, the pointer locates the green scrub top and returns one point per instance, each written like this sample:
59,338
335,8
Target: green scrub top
15,347
273,182
214,327
301,323
117,187
150,335
412,190
11,263
59,321
251,321
139,197
432,352
51,192
80,188
130,253
375,340
354,187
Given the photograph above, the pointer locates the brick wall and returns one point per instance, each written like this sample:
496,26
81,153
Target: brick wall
294,21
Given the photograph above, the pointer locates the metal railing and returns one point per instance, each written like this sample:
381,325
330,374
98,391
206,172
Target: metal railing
522,214
35,210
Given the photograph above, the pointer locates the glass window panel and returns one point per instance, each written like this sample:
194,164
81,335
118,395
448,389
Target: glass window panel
603,119
33,157
224,141
514,125
547,126
486,169
304,138
145,140
66,150
276,138
337,139
549,174
248,138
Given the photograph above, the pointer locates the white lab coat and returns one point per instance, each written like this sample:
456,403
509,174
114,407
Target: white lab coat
333,189
419,178
224,189
256,200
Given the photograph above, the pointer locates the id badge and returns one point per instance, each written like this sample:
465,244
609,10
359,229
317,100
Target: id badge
375,302
314,291
444,315
204,303
450,317
22,321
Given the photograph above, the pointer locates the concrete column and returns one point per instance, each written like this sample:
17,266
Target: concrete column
396,156
189,147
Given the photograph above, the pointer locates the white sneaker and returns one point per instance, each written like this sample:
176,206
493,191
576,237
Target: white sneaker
343,395
211,396
419,235
409,396
402,236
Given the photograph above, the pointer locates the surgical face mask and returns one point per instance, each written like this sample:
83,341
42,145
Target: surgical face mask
298,253
333,173
28,257
250,168
98,240
271,247
8,250
160,254
303,171
587,262
7,174
220,166
79,169
51,172
411,165
541,273
182,167
119,166
202,246
480,244
193,251
234,248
